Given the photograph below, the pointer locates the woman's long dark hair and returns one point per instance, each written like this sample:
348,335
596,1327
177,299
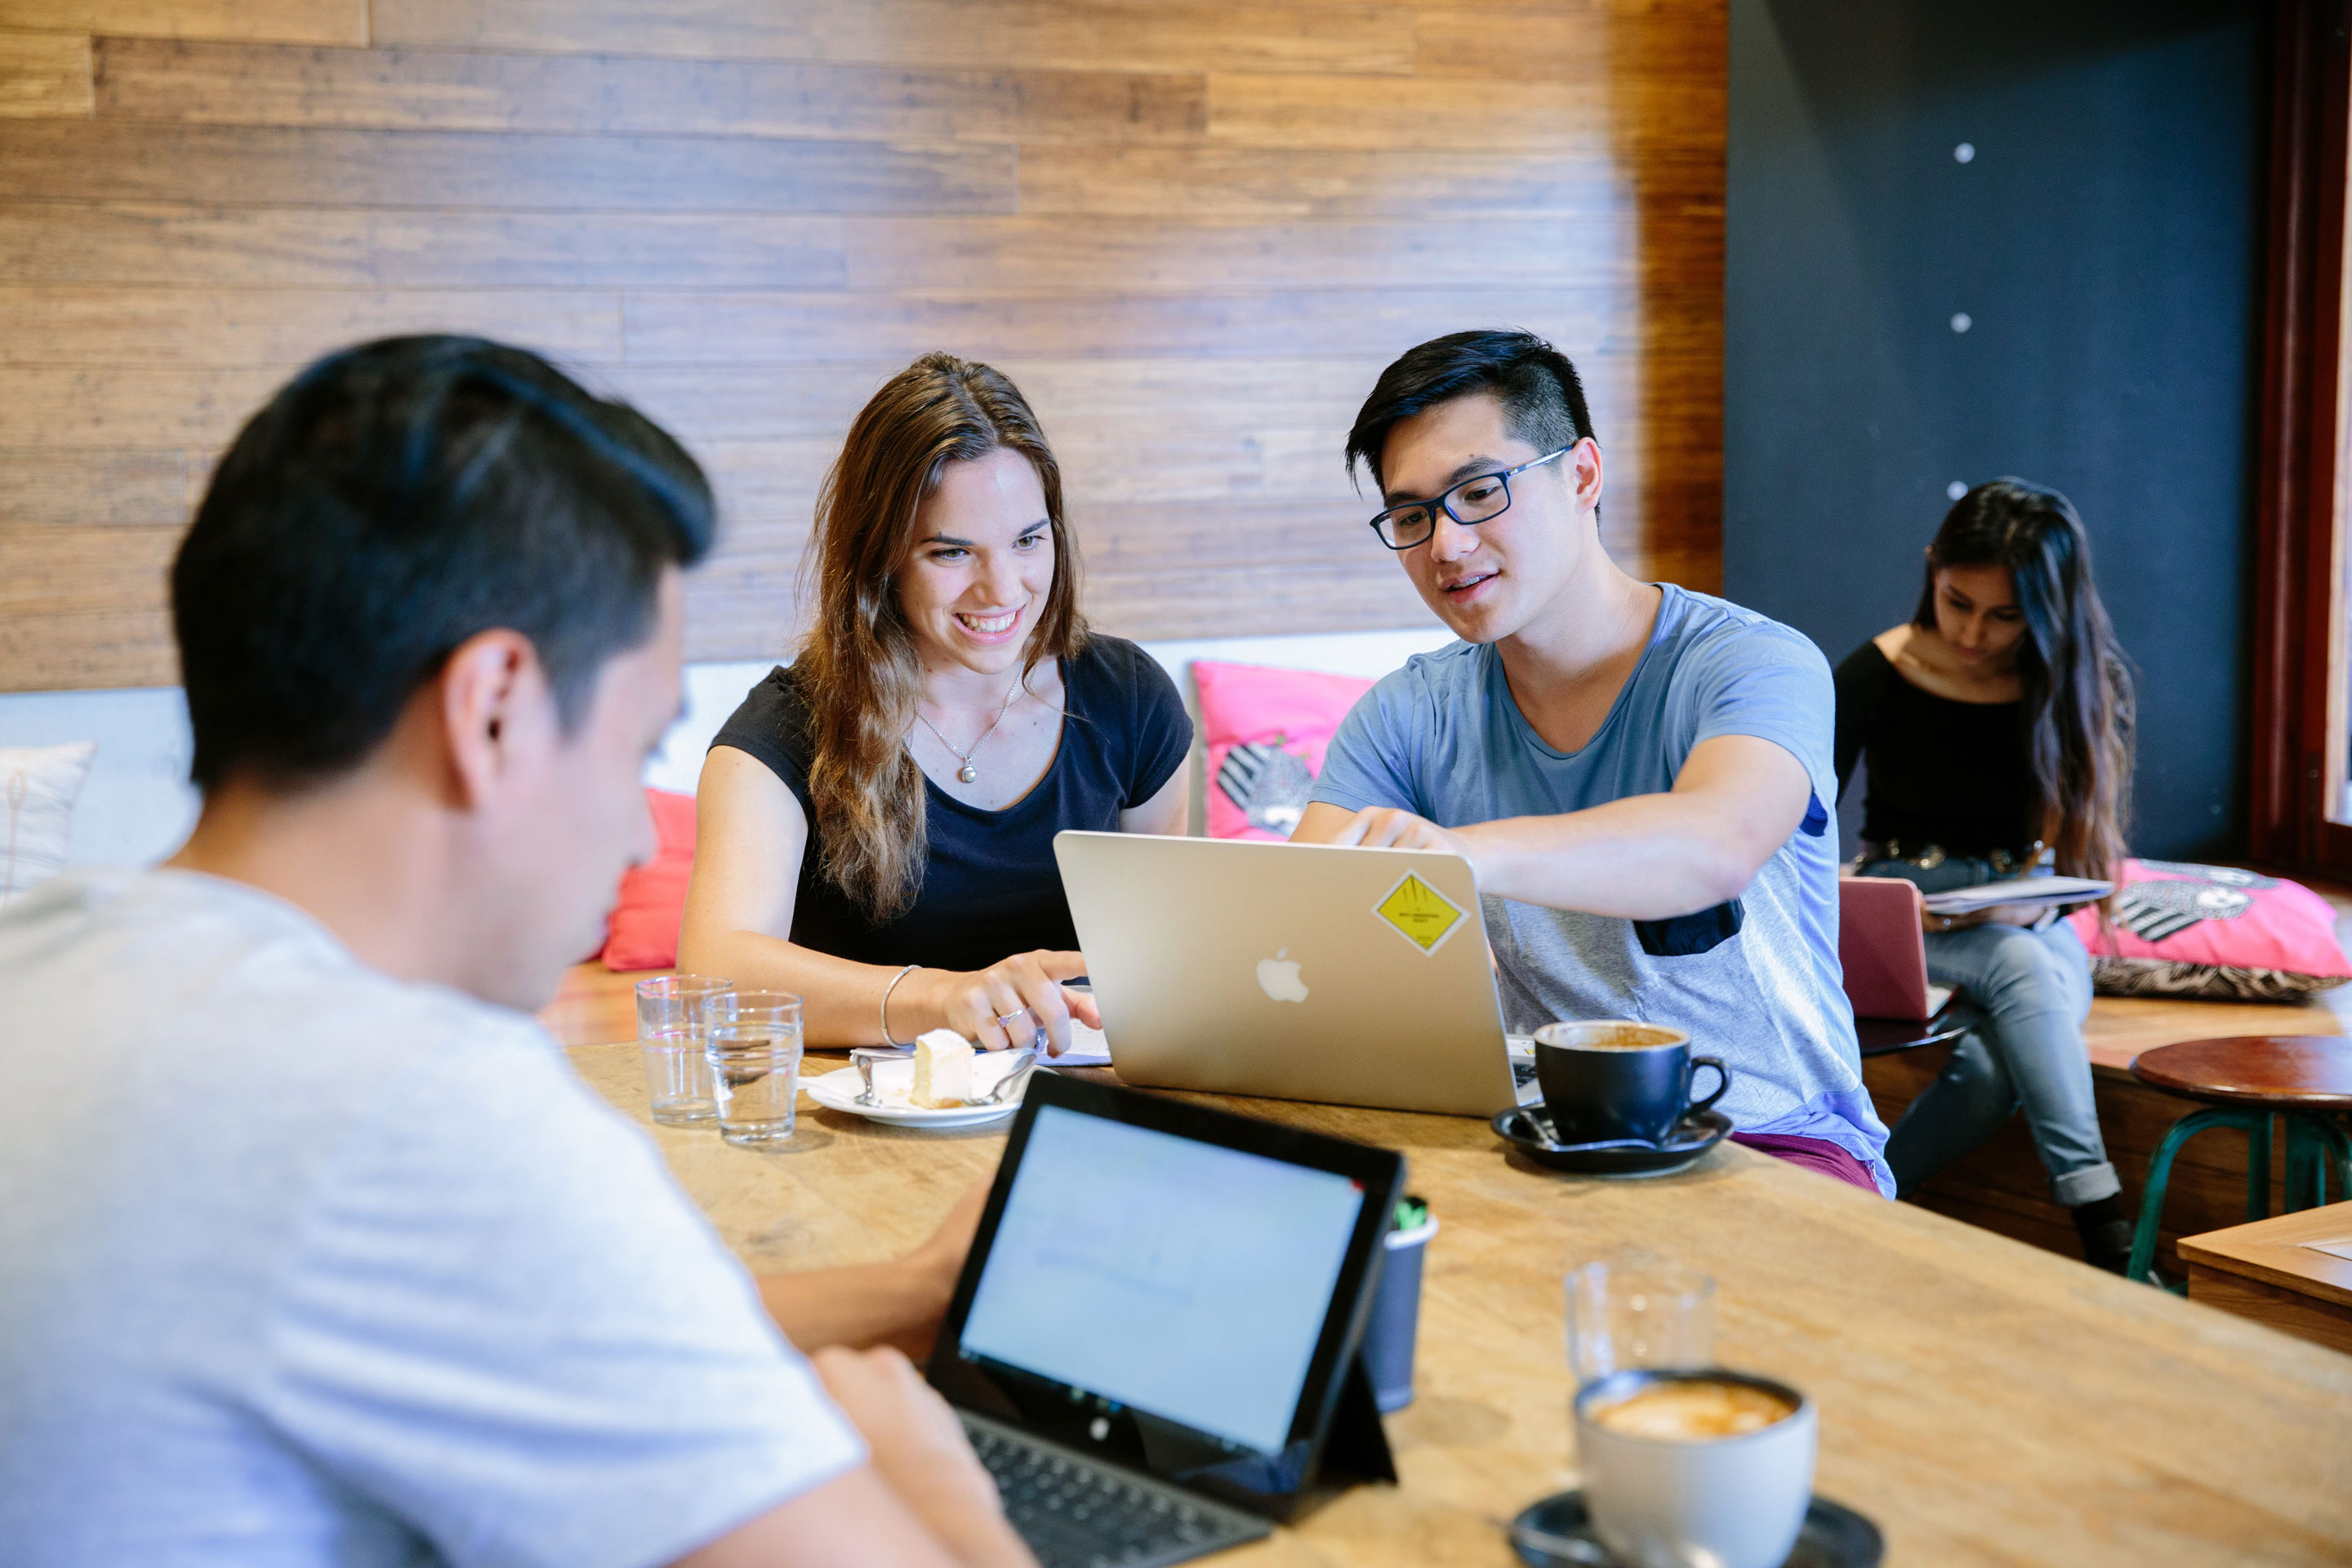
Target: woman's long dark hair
2078,683
856,669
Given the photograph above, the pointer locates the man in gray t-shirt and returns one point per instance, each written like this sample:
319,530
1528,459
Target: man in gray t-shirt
1636,771
315,1250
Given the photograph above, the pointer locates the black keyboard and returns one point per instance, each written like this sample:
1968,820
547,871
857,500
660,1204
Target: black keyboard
1076,1512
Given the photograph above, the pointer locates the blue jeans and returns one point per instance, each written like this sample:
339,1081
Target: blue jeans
2025,993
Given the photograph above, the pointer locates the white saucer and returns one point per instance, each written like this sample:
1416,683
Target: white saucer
838,1090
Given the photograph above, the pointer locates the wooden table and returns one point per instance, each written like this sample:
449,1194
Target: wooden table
1985,1401
2263,1271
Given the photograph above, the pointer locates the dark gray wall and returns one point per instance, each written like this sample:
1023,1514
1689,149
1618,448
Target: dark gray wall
2105,242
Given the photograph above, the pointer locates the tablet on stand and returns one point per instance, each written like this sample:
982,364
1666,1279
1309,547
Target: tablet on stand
1175,1298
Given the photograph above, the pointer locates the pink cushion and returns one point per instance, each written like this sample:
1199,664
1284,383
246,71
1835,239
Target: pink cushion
643,932
1266,731
2213,931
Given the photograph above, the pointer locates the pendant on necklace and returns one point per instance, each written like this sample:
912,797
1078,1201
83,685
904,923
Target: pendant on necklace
968,773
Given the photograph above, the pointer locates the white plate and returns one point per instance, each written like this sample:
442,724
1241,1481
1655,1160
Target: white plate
893,1081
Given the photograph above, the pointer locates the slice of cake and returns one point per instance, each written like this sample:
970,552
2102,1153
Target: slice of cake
942,1071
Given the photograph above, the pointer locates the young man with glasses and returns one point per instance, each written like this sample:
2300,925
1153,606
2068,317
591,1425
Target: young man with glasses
1636,771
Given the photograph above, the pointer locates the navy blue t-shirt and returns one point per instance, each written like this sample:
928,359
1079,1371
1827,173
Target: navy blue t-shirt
991,888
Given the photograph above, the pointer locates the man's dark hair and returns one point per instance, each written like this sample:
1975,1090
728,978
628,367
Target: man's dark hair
1542,398
394,500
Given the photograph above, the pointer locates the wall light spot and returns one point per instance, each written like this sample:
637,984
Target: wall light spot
1961,322
1965,153
1956,490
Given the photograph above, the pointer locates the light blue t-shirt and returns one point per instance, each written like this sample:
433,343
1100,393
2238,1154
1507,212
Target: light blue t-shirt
303,1265
1443,739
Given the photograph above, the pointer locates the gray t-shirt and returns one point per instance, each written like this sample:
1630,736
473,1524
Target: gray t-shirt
1443,739
301,1265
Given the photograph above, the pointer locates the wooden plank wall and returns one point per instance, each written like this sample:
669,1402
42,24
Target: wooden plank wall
1192,231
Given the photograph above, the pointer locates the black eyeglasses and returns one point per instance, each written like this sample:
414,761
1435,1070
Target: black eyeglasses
1482,498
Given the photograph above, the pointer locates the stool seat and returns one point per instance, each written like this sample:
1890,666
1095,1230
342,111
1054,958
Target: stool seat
2299,1072
2248,1082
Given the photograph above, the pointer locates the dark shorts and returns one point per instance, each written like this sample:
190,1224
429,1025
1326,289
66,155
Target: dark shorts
1813,1154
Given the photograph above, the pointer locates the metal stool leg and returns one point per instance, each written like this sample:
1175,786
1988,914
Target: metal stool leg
2256,1124
2306,1179
2317,1149
2258,1171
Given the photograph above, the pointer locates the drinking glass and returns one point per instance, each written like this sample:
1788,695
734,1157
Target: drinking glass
670,1029
753,1042
1632,1308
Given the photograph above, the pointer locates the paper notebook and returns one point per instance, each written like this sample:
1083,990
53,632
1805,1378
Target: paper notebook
2032,891
1087,1049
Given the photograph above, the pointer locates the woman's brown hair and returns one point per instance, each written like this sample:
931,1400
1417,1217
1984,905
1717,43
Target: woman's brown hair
856,671
2078,683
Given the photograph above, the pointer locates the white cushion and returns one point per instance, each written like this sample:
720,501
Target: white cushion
38,785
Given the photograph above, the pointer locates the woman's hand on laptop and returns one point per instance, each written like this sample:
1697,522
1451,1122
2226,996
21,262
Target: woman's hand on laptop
1003,1006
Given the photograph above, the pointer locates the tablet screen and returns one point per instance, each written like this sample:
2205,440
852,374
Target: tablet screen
1176,1278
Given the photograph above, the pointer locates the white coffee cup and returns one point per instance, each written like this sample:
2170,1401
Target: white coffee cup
1734,1501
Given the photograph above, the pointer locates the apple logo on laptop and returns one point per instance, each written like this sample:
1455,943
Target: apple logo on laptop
1278,977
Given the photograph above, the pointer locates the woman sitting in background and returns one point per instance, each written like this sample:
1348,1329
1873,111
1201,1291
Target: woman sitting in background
1996,726
877,822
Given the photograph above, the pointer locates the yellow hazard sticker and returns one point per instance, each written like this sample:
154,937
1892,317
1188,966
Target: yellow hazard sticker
1421,914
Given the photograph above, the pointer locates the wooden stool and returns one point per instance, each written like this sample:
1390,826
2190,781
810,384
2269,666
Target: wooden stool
2304,1080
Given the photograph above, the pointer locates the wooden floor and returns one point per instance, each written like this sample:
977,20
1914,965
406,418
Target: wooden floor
2001,1187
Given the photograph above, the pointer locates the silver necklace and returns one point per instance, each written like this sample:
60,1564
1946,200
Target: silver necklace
967,772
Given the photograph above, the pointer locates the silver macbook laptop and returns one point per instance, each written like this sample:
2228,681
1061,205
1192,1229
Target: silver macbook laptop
1293,971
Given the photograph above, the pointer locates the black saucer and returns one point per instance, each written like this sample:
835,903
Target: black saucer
1833,1537
1529,1128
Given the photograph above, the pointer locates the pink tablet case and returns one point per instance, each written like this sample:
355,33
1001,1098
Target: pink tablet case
1879,945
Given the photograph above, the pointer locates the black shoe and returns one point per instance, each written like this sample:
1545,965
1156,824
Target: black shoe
2108,1246
2107,1234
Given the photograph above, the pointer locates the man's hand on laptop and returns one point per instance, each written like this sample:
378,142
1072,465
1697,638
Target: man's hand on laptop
920,1452
941,1257
922,1498
1387,827
898,1302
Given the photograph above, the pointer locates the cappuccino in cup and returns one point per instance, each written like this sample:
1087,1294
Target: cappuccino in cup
1613,1080
1693,1411
1611,1036
1707,1466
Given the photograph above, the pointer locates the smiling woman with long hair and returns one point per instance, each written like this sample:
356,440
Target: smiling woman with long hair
876,821
1996,726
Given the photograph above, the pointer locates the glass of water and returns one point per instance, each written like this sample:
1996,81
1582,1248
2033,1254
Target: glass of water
753,1041
1632,1308
670,1029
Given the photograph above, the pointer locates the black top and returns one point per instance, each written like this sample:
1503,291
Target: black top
1941,771
989,886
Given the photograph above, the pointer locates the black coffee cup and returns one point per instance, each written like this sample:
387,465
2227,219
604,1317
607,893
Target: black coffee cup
1611,1080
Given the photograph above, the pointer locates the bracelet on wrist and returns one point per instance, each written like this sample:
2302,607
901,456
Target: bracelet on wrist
884,1009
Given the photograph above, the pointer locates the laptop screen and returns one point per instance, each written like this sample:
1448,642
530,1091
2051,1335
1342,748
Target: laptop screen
1177,1278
